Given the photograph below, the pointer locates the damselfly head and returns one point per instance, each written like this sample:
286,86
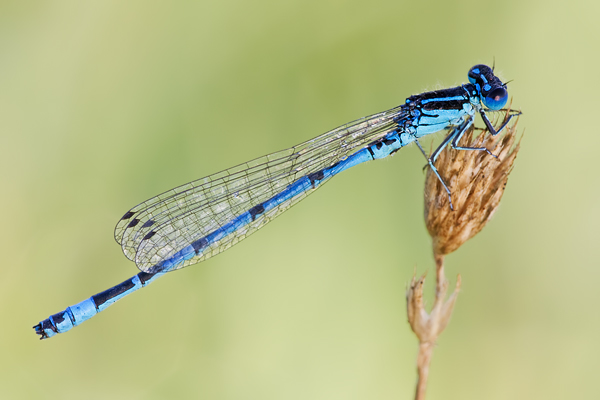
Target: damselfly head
492,91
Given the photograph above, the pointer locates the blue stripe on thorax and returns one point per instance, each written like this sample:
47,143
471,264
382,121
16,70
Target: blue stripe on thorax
451,98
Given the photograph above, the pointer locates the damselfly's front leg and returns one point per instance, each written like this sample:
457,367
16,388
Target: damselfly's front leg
488,124
490,128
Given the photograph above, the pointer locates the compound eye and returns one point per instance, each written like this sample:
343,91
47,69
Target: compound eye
496,99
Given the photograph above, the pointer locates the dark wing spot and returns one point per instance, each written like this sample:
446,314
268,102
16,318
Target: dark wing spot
148,223
149,235
128,215
133,223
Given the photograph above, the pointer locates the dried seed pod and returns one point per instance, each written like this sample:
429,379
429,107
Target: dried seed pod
476,181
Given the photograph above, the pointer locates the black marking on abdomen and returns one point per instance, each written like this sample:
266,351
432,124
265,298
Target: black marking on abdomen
58,318
315,176
200,244
145,277
47,324
149,235
133,223
379,144
148,223
128,215
256,210
371,151
103,297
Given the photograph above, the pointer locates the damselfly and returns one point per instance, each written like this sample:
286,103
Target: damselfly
203,218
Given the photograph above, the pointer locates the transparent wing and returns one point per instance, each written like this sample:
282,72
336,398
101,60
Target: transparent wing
158,228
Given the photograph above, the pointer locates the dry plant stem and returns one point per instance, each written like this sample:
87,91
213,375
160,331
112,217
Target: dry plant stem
441,284
429,327
423,361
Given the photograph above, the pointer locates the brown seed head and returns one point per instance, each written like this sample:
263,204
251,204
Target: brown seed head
476,181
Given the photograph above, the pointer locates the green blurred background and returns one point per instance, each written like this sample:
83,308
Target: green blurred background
105,104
